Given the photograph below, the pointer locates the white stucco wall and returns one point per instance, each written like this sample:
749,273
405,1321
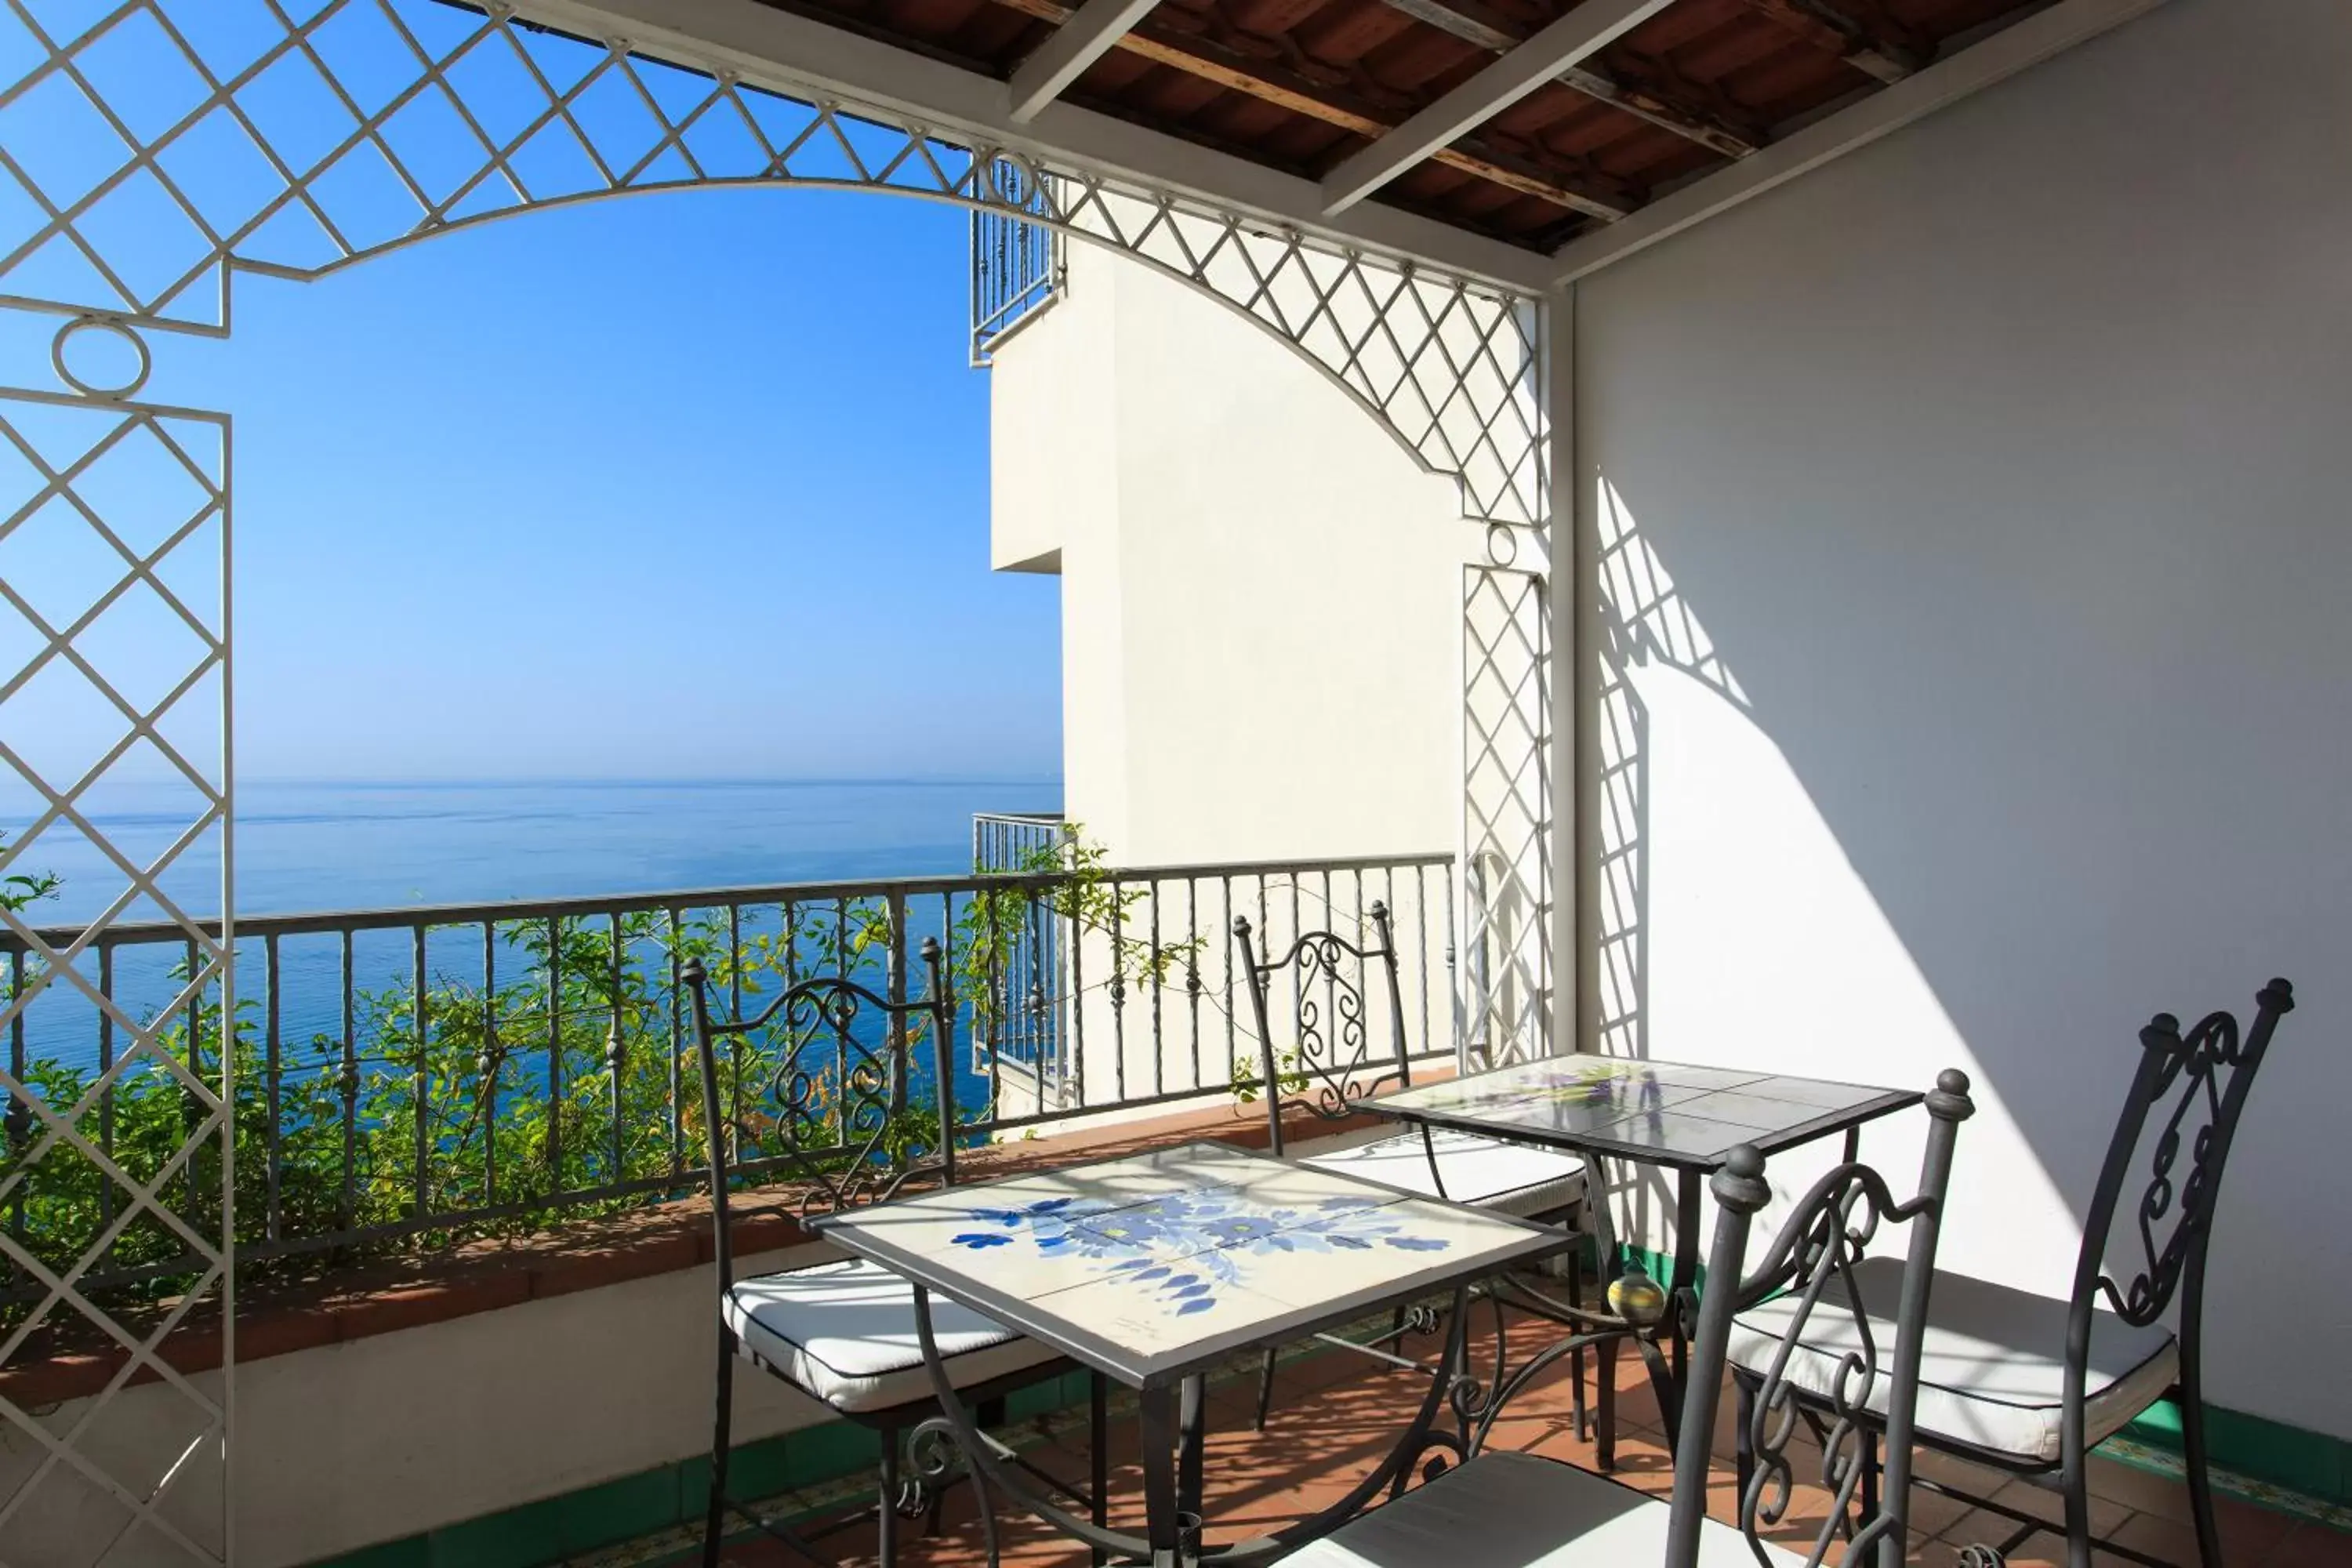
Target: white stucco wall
1260,586
2002,466
384,1437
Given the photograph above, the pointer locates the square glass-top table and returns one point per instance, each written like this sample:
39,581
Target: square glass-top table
1656,1113
1154,1268
1684,1119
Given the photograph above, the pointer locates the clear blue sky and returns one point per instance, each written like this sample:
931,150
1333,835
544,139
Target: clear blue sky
689,484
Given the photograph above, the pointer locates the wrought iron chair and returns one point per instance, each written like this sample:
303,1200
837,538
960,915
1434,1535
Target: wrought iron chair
839,1117
1334,1062
1519,1510
2030,1383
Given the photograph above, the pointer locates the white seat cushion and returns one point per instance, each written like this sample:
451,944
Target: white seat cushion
1992,1368
1484,1171
845,1332
1515,1510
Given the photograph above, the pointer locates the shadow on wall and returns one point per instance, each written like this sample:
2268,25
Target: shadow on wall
1735,929
1646,626
1784,874
1647,623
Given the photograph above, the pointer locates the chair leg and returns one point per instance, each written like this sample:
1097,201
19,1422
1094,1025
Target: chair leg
1264,1388
714,1525
889,1500
2073,1484
1576,1357
1604,1442
1869,1483
2196,1460
938,1504
1743,1441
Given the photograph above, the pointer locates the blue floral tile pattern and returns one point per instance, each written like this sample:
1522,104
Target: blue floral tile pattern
1150,1267
1183,1249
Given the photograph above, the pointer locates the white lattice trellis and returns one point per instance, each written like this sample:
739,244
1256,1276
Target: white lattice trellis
151,148
59,454
1506,799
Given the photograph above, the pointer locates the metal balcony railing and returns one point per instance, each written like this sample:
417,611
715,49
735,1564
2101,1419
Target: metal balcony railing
1016,266
1029,1028
416,1075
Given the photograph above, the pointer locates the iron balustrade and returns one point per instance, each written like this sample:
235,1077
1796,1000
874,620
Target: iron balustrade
1019,840
1016,264
418,1074
1030,1027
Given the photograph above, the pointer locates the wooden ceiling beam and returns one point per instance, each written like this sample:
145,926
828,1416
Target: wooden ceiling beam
1459,111
1875,50
1158,38
1470,21
1092,31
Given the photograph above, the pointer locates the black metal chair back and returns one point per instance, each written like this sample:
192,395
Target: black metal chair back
816,1085
1810,1266
2201,1079
1332,1060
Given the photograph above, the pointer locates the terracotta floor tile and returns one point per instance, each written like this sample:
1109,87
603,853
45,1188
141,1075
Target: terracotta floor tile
1335,1414
2106,1514
2310,1545
2142,1491
1968,1477
2168,1539
1933,1513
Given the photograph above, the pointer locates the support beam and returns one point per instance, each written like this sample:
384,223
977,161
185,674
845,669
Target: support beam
776,48
1091,33
1275,82
1999,57
1497,36
1590,27
1888,59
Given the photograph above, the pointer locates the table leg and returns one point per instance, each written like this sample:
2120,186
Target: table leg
1429,1151
1192,1437
1099,1457
1608,1259
1162,1527
1686,1202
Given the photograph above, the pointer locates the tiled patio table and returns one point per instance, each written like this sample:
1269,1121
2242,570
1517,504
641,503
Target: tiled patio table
1155,1267
1687,1120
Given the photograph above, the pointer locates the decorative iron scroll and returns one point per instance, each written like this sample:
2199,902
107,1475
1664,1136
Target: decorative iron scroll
1813,1265
1337,1062
1328,1055
835,1064
2206,1072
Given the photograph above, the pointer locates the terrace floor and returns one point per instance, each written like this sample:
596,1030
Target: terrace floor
1336,1413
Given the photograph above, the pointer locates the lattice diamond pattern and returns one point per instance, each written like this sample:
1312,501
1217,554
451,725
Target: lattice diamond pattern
1507,797
92,1469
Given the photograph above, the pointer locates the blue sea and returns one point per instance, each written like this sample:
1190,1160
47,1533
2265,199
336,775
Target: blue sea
306,847
310,847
